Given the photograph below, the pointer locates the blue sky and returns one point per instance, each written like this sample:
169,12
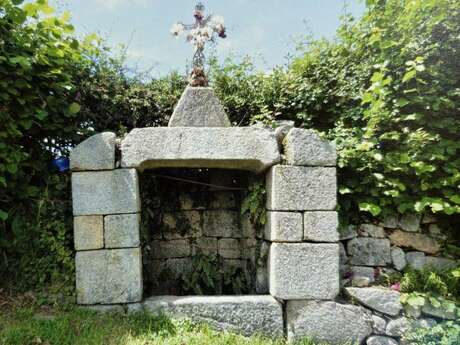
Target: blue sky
263,29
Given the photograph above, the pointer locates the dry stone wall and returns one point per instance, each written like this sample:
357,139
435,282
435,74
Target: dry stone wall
369,251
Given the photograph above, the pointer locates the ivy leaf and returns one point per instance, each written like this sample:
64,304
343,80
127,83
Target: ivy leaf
401,102
3,215
17,2
41,114
345,190
416,300
455,199
74,108
409,75
374,209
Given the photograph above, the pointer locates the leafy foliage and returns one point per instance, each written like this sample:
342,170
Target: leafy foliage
38,111
205,277
254,204
446,333
435,288
445,283
402,153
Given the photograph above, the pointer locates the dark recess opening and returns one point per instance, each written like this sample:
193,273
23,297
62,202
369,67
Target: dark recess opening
196,241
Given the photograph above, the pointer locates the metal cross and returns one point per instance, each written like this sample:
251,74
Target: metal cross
205,29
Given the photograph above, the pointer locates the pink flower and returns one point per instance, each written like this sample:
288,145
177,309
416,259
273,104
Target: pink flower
396,286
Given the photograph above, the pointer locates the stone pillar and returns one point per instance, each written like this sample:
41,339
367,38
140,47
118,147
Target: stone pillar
106,208
302,221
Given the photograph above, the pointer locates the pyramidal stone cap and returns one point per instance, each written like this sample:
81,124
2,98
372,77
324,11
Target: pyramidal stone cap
199,107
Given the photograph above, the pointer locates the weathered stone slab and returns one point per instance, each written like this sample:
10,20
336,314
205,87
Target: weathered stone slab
109,276
390,222
360,272
134,308
95,153
247,315
222,223
223,201
416,260
305,147
304,271
105,192
122,230
348,232
440,263
429,219
369,251
171,249
436,231
205,245
410,222
439,312
181,225
284,227
291,188
402,325
381,340
199,107
243,148
88,232
371,230
321,226
379,324
382,300
399,258
327,321
416,241
229,248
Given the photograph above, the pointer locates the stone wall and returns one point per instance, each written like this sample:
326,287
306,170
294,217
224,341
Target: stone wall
106,209
371,250
196,215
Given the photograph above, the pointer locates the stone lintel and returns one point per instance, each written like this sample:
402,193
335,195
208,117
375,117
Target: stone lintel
242,148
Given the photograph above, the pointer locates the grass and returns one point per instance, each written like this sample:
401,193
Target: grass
28,326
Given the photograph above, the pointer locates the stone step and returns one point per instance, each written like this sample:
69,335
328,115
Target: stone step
246,315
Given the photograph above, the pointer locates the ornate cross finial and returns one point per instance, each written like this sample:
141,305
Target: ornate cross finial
203,30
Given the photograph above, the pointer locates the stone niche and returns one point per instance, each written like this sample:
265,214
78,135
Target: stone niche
300,239
194,225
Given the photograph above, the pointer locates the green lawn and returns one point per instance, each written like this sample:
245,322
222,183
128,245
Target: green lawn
26,326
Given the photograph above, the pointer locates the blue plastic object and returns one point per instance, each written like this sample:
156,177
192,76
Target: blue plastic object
62,164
